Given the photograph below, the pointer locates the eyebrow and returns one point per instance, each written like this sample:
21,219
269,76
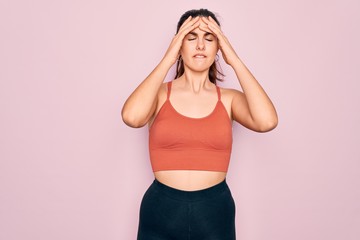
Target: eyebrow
206,33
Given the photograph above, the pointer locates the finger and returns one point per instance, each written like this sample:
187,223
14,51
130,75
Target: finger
189,28
213,21
213,24
215,30
185,22
188,22
209,27
205,20
205,27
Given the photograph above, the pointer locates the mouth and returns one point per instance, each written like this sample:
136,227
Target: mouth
199,55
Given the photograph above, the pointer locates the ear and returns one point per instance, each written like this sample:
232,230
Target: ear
180,52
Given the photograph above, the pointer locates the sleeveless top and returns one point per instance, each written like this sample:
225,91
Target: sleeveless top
178,142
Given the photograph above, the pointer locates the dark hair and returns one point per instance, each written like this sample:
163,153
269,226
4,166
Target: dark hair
213,71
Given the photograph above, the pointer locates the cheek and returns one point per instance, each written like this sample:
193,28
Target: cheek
185,47
212,46
186,50
213,50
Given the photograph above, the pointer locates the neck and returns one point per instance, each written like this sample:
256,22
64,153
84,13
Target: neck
196,81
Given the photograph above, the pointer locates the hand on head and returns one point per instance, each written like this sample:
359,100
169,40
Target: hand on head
207,24
226,49
174,49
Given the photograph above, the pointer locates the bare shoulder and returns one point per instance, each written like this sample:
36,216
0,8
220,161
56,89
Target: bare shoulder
162,92
228,94
161,98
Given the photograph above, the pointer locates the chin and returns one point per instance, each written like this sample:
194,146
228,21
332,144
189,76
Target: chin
198,68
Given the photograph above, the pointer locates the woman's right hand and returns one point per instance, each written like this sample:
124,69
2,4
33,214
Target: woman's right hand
173,51
140,107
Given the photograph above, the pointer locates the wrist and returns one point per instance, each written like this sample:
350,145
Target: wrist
236,63
164,65
167,62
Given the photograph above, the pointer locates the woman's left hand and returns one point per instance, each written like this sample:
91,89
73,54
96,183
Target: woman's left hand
226,49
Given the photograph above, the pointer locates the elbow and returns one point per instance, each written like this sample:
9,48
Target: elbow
130,120
268,126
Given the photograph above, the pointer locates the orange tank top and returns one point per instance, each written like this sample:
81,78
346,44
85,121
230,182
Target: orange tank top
178,142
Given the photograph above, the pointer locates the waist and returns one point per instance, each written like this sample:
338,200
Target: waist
195,195
190,180
191,159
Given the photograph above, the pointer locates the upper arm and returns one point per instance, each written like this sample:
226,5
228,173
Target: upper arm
138,111
160,99
240,110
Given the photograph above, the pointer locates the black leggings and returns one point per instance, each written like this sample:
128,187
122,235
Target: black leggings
167,213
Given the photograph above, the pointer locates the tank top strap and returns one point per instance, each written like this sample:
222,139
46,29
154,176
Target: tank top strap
168,90
218,93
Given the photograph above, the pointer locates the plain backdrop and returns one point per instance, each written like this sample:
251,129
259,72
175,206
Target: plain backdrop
71,169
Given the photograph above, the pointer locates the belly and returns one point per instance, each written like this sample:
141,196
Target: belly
189,180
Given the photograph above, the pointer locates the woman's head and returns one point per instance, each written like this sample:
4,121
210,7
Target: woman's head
198,42
194,13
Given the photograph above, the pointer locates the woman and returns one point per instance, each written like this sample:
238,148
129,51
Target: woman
190,132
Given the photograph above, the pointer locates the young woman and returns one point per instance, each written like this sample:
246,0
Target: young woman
190,132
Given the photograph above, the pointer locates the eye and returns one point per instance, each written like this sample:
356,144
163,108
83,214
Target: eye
191,37
209,37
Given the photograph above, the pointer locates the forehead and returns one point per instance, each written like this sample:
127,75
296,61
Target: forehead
198,31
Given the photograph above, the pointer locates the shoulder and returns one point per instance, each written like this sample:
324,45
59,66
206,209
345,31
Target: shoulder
229,94
163,87
227,98
160,100
162,95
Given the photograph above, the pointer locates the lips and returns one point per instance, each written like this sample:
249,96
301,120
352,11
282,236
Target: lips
199,55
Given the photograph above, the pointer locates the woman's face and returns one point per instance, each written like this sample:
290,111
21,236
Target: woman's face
199,49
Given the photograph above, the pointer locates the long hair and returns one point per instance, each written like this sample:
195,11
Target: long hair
214,73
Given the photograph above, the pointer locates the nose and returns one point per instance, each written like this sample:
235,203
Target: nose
200,44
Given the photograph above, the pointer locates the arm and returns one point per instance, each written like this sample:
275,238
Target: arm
141,104
252,107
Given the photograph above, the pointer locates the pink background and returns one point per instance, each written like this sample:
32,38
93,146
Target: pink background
71,169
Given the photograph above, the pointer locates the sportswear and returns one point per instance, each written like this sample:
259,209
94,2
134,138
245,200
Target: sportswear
178,142
168,213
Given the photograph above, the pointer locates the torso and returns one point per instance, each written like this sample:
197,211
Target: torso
191,180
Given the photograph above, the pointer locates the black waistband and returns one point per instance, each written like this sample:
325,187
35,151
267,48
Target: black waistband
196,195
